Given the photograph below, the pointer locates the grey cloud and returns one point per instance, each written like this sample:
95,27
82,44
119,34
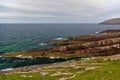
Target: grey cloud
57,10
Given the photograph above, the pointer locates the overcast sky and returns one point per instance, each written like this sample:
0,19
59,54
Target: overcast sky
58,11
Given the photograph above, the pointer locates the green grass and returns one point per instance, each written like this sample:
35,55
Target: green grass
110,70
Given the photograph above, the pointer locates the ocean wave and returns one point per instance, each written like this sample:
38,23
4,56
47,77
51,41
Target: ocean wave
8,69
42,44
60,39
97,32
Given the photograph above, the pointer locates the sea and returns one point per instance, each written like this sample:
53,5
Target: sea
23,37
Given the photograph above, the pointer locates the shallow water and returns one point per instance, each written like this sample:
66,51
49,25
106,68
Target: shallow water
9,63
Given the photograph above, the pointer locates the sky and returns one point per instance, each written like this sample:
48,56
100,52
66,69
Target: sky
58,11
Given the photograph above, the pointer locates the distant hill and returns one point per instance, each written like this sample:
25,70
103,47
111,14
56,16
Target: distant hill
112,21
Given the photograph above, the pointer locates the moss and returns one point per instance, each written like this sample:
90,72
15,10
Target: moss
67,42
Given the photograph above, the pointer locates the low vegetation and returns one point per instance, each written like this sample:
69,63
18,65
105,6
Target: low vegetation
93,69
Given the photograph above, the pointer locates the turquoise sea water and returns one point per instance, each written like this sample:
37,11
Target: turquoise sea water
21,37
21,62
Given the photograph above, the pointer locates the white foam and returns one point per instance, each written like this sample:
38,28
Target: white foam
8,69
19,56
52,57
42,44
97,32
30,57
60,39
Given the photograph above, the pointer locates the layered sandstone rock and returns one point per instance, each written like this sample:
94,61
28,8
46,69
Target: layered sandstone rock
95,45
95,37
88,45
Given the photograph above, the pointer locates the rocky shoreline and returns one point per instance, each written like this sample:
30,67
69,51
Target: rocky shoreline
98,51
84,63
103,44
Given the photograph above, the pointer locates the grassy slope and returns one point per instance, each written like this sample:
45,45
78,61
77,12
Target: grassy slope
109,70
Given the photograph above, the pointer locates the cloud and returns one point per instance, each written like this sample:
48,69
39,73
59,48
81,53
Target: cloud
58,10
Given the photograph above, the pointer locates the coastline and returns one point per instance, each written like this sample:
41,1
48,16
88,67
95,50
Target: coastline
81,55
77,46
84,46
66,70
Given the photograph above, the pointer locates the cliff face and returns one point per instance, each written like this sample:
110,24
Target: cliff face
112,21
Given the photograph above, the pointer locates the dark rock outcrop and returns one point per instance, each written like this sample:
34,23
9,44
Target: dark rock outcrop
111,31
